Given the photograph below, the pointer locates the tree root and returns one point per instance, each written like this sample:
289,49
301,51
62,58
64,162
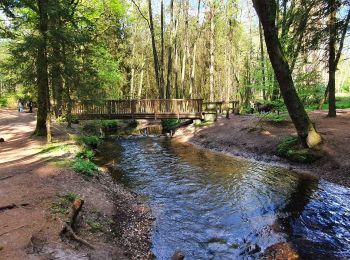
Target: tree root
67,230
70,226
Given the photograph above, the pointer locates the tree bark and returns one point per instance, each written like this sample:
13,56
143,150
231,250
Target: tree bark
162,49
262,61
170,49
266,10
212,51
154,50
41,70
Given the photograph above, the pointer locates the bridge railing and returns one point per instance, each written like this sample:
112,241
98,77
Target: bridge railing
144,108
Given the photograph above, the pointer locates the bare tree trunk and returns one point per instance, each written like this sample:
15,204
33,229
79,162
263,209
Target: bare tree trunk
177,92
170,48
141,80
154,49
41,70
131,95
212,51
186,49
162,48
266,10
262,60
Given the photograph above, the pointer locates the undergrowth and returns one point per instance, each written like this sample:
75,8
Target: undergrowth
291,149
84,166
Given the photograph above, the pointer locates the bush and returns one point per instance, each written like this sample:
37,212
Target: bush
132,124
3,102
91,141
85,167
85,154
168,124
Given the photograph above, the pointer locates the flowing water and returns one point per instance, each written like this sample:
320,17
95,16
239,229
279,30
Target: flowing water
211,206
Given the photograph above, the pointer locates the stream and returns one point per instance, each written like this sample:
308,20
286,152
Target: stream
212,206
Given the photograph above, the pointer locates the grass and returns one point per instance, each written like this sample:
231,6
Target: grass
63,204
84,166
274,117
342,102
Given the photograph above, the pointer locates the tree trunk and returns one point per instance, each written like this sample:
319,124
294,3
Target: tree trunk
41,70
154,50
162,49
212,51
170,49
266,10
262,60
331,59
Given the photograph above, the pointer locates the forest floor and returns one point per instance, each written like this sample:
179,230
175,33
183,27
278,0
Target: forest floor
32,202
254,138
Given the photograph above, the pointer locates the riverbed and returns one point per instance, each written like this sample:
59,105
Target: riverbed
212,206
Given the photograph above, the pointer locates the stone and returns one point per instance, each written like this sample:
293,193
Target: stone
2,140
178,255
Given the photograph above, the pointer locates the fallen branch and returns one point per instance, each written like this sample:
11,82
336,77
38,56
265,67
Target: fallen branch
70,226
7,177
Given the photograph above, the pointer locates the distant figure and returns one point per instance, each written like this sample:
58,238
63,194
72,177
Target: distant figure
30,105
252,106
20,105
266,108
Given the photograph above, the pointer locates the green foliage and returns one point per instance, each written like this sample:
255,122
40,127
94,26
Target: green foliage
91,141
132,124
3,101
168,124
287,144
86,153
291,149
276,118
70,196
84,166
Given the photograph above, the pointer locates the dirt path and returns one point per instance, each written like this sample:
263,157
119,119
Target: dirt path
247,136
29,185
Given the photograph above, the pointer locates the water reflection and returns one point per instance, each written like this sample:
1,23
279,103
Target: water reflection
211,206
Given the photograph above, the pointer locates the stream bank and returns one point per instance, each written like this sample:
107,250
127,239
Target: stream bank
255,139
37,187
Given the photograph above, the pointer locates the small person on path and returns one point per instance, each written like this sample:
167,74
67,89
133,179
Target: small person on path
20,105
30,105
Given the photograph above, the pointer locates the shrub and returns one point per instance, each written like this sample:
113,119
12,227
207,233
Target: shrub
86,153
132,124
85,167
91,141
168,124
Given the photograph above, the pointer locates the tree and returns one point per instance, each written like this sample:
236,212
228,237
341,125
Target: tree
266,10
333,55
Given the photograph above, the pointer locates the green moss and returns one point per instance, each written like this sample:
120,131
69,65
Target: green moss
70,196
291,149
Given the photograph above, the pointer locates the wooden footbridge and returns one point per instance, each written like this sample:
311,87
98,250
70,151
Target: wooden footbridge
139,109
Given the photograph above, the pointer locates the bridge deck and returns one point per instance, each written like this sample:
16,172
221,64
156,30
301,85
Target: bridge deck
140,109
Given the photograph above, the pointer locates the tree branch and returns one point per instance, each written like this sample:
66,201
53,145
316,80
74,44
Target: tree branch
139,10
